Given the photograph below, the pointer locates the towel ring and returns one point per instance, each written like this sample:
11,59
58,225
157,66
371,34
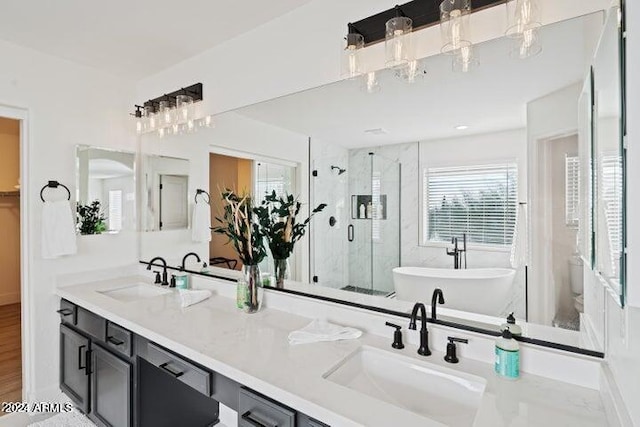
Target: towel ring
55,184
200,191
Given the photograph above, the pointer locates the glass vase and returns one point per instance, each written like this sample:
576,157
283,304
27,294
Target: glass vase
281,271
254,288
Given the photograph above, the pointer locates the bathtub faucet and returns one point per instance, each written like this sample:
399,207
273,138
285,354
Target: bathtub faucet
456,252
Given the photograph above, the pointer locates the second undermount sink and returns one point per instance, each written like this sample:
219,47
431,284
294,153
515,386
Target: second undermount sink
441,394
134,292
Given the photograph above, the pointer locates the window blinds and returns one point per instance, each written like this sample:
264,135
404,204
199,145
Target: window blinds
480,201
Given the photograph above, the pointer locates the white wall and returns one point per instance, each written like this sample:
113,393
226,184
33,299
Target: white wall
67,105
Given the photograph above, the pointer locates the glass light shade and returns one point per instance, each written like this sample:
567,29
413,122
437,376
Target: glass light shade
522,15
351,60
526,46
398,42
454,25
184,107
371,83
464,61
413,71
150,120
166,113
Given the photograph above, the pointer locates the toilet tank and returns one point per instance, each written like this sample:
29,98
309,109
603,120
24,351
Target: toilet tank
575,274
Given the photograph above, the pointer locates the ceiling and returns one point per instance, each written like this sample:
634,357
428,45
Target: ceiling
490,98
133,39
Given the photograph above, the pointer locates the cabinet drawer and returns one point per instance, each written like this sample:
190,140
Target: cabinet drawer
68,312
91,324
180,368
255,410
119,339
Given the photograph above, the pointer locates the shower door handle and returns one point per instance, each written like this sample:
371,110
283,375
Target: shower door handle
350,233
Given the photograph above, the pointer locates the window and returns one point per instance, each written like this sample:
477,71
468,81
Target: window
611,207
115,210
480,201
572,189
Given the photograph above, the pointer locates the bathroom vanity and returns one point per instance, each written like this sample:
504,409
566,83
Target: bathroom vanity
131,356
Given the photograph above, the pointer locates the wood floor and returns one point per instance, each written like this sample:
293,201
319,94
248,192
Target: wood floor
10,354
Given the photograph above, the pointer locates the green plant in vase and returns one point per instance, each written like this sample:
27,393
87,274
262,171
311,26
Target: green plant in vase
277,216
91,219
238,223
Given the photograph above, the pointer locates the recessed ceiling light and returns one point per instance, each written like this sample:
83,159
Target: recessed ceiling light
462,127
376,131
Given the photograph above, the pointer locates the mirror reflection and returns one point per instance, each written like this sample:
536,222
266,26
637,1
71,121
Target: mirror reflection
487,193
106,182
165,181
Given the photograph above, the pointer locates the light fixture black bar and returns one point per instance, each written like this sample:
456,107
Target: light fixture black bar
423,13
195,91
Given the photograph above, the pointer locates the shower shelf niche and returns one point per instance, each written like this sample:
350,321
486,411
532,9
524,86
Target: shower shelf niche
378,208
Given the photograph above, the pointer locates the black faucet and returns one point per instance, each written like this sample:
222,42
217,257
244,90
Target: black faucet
165,282
457,253
423,350
184,259
436,298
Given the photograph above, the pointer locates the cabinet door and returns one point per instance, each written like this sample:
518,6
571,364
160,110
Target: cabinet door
74,372
111,389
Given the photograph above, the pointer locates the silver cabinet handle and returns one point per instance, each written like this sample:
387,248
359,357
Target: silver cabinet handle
350,233
247,416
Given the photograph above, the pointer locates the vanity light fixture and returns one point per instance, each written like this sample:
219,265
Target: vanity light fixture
352,62
172,114
454,28
523,23
398,43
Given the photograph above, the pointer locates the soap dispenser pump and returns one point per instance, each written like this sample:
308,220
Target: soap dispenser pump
511,325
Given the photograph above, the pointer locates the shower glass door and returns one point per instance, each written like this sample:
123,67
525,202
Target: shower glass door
355,241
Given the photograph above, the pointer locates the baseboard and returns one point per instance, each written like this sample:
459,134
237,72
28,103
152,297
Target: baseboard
10,298
614,406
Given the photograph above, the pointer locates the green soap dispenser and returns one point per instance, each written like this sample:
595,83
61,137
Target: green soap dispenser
515,330
507,364
182,281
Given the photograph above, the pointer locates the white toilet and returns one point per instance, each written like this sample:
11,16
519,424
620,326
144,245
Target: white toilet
576,281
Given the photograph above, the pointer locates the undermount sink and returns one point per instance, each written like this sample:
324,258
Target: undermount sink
441,394
134,292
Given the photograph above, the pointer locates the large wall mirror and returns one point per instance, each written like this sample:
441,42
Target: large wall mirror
106,180
488,184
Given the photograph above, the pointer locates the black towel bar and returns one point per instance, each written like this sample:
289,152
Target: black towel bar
200,191
55,184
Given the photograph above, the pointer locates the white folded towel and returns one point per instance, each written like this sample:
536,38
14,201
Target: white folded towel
58,229
201,223
321,330
189,297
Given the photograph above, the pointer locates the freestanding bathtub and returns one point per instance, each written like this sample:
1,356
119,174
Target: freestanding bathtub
478,290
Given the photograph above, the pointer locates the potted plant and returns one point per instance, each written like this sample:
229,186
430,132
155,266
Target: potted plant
238,223
277,216
91,219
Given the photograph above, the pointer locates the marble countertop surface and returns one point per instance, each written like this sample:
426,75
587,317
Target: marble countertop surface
253,350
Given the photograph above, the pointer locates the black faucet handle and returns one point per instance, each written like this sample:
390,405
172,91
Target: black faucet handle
158,279
397,335
451,356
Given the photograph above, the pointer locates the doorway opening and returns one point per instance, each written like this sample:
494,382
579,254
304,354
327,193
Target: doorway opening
10,263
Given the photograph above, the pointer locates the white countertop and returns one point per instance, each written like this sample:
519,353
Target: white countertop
253,350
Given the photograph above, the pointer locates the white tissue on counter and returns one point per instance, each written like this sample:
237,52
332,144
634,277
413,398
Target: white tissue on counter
190,297
321,330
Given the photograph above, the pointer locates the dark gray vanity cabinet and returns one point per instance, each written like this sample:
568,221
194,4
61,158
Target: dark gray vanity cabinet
111,389
98,380
75,350
120,379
